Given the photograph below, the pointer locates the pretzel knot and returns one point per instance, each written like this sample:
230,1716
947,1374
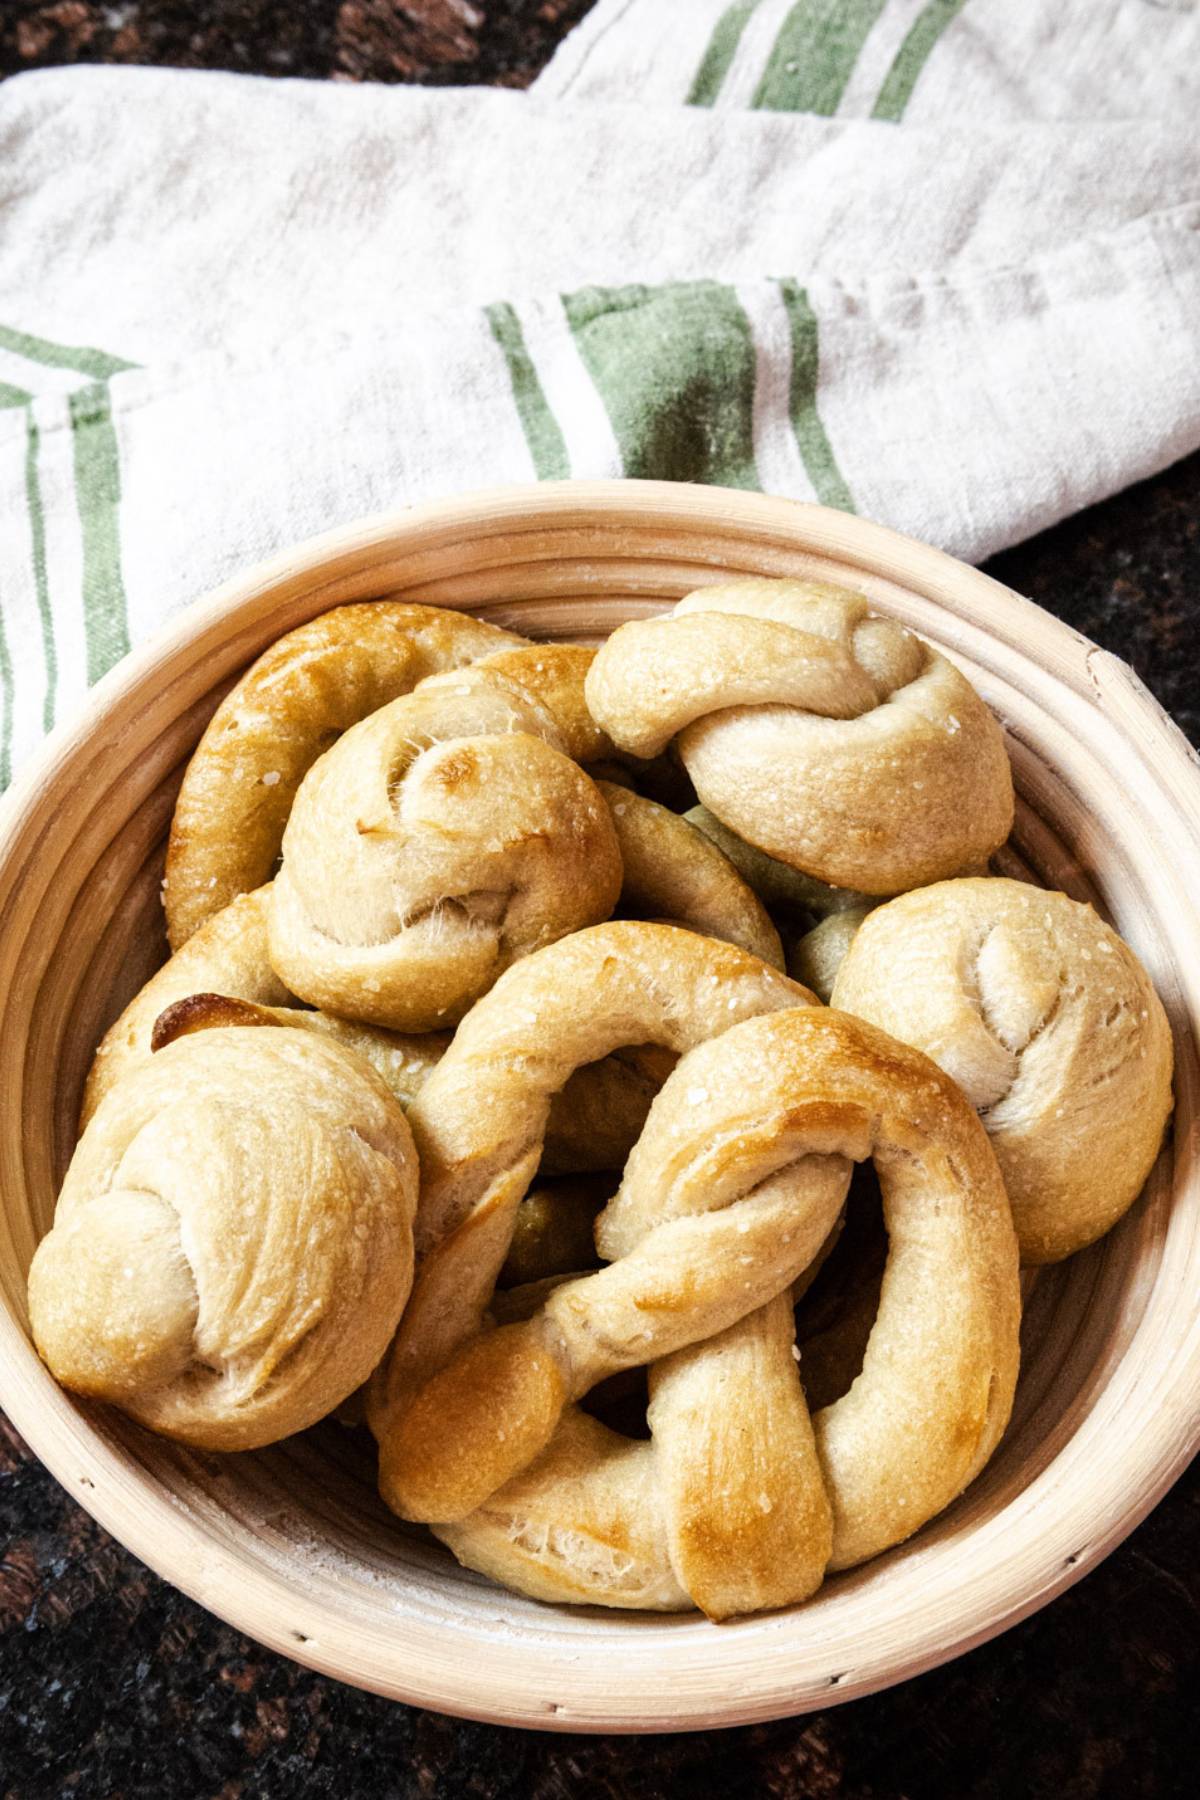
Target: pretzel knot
232,1247
739,1501
831,738
1051,1027
435,843
288,707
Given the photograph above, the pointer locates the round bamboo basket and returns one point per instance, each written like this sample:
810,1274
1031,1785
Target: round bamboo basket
292,1544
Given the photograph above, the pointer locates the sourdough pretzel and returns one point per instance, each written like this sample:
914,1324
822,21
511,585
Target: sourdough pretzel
232,1247
832,739
480,1119
435,843
1049,1024
288,707
671,870
737,1503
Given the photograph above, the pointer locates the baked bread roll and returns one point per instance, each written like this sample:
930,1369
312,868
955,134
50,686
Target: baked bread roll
438,841
1051,1027
670,870
833,739
289,706
739,1501
480,1120
232,1247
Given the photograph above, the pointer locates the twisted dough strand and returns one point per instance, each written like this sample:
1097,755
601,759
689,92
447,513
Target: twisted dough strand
830,738
480,1119
723,1203
674,872
232,1246
1051,1027
435,843
550,675
289,706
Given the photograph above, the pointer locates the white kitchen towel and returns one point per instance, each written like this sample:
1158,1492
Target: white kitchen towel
1004,61
236,312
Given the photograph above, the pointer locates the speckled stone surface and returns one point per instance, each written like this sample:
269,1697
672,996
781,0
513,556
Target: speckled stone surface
436,41
114,1687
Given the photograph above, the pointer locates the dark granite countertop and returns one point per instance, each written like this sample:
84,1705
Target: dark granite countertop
114,1685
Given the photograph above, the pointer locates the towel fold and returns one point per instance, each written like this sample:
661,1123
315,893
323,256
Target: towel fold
937,263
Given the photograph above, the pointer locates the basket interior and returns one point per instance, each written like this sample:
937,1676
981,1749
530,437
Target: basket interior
304,1516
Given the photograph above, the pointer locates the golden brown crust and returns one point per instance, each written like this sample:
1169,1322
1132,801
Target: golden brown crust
481,1118
552,675
1051,1026
232,1246
721,1205
832,739
673,871
437,842
289,706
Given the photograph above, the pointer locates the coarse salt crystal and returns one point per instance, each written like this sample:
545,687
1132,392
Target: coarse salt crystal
271,778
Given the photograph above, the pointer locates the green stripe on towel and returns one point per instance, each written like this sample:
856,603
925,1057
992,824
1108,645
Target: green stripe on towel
912,56
674,366
98,496
816,451
722,48
41,584
547,447
97,364
813,56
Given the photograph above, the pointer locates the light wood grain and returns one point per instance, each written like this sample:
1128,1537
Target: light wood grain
291,1544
